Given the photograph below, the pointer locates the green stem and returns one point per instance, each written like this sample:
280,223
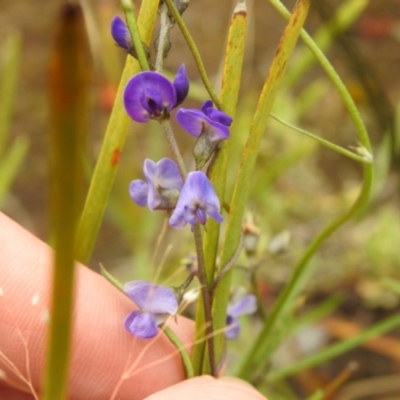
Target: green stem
161,37
128,8
165,123
186,361
367,158
195,52
206,300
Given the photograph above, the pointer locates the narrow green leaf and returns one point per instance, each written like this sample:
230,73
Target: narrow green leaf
105,170
69,79
243,181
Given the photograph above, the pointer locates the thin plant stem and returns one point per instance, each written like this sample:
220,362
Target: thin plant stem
187,363
127,6
205,291
165,123
161,37
195,52
366,157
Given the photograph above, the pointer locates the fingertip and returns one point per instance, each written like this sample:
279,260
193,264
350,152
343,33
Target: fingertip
206,387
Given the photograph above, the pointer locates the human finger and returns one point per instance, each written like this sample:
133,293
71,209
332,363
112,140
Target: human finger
105,358
206,387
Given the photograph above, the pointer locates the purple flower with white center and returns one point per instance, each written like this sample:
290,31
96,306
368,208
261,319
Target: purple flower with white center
196,202
246,305
121,34
161,191
150,95
156,304
209,125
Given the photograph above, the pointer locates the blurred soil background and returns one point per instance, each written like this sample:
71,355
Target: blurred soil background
298,187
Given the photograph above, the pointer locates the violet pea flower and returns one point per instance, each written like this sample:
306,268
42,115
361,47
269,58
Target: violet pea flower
209,120
196,202
209,125
150,95
246,305
156,304
161,191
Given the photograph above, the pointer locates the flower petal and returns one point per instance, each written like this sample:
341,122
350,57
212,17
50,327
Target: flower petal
197,194
167,174
191,120
197,123
164,181
232,328
142,88
219,116
120,33
181,84
138,191
246,305
152,298
141,324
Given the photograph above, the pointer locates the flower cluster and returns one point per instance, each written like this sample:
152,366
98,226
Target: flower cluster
188,198
149,95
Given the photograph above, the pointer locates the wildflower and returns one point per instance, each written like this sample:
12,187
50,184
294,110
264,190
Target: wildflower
196,202
121,34
209,125
156,304
150,95
246,305
161,191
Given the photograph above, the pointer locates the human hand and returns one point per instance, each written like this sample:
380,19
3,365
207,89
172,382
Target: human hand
106,360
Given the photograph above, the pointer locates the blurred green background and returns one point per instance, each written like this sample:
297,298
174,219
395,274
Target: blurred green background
298,186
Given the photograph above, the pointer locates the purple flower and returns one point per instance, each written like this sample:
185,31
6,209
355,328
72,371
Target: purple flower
208,121
246,305
161,191
209,125
151,95
156,304
121,34
196,202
